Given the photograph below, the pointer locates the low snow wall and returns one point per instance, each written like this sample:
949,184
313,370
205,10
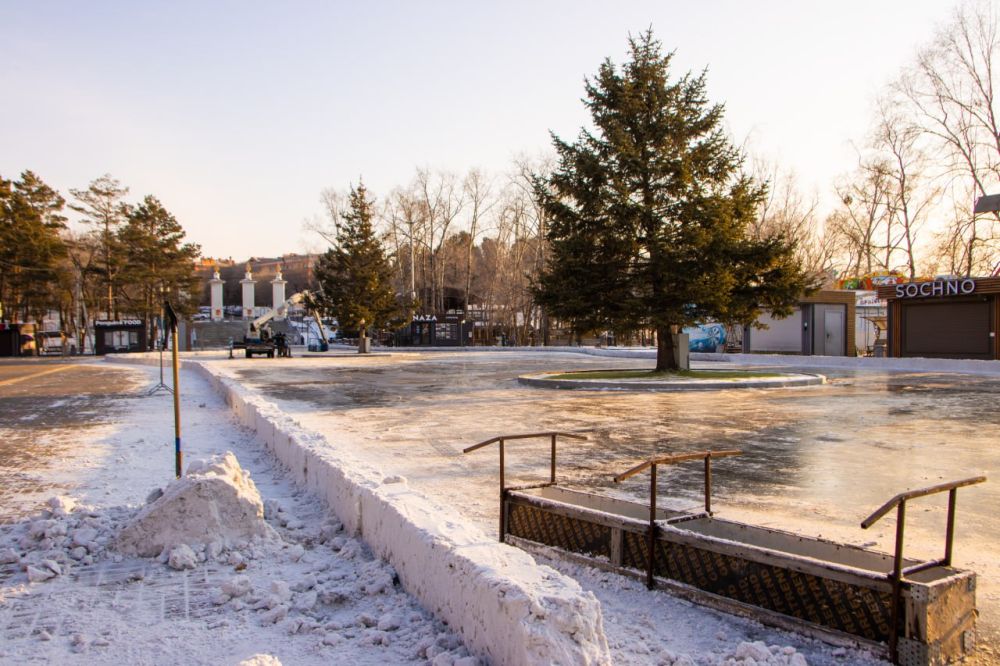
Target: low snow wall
507,608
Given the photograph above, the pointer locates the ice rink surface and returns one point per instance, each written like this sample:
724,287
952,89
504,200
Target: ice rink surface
816,460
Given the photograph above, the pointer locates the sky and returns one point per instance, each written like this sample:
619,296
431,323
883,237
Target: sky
236,115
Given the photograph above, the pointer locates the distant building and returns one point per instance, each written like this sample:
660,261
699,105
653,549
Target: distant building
821,325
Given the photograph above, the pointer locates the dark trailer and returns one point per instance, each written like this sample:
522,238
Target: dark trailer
120,336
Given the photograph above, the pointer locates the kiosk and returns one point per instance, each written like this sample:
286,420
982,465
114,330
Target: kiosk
119,336
943,318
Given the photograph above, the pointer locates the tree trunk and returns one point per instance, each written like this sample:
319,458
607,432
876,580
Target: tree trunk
665,359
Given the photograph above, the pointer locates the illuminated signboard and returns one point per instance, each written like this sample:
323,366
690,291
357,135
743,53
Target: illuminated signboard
120,322
936,288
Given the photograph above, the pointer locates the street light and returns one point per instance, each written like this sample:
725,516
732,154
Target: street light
989,203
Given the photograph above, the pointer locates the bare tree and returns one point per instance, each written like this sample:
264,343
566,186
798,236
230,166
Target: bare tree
443,199
951,89
102,205
527,171
406,218
786,211
478,192
912,194
863,215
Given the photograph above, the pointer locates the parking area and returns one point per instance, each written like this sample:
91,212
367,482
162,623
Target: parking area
44,404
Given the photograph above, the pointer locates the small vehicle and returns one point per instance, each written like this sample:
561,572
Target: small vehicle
261,344
54,343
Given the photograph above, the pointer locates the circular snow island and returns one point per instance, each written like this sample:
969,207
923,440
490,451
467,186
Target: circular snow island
682,380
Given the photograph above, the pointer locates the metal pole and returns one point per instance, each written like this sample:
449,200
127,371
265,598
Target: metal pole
708,484
897,584
950,534
502,496
552,476
177,409
651,537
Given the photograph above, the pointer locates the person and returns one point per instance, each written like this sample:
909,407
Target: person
281,344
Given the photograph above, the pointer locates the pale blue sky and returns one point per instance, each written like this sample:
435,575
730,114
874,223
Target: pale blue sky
237,114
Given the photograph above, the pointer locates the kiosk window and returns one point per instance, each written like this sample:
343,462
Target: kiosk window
121,339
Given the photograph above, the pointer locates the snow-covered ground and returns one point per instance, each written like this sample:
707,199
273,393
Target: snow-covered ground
307,594
396,412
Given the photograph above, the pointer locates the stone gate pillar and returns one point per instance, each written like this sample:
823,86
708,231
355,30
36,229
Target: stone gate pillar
278,295
248,296
216,282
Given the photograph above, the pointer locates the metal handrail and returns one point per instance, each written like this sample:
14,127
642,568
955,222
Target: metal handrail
920,492
523,436
671,460
675,458
503,438
896,576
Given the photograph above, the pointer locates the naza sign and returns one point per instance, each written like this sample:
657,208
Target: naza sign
936,288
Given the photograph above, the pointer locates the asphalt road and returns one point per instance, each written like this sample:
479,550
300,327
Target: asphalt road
43,402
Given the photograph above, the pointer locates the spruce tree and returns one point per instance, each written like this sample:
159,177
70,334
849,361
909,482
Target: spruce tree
31,248
157,263
649,212
354,276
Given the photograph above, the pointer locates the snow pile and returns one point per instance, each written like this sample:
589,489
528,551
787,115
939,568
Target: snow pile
756,653
761,654
308,584
504,605
215,505
62,537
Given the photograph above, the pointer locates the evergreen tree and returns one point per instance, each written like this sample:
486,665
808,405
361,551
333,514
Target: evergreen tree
31,248
157,264
648,214
354,276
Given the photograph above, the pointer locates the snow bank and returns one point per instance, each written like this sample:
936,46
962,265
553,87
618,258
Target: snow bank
216,503
61,538
505,606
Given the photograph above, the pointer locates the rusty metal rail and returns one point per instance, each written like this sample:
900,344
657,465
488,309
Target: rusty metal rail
553,435
898,572
671,460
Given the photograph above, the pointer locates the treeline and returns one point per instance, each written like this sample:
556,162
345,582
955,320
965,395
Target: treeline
454,240
123,261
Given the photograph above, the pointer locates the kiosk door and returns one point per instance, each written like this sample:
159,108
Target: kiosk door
947,330
833,333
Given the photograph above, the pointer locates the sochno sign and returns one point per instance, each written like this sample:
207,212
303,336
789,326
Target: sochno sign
936,288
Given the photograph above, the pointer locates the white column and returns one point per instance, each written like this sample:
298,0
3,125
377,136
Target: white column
278,295
248,296
216,282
